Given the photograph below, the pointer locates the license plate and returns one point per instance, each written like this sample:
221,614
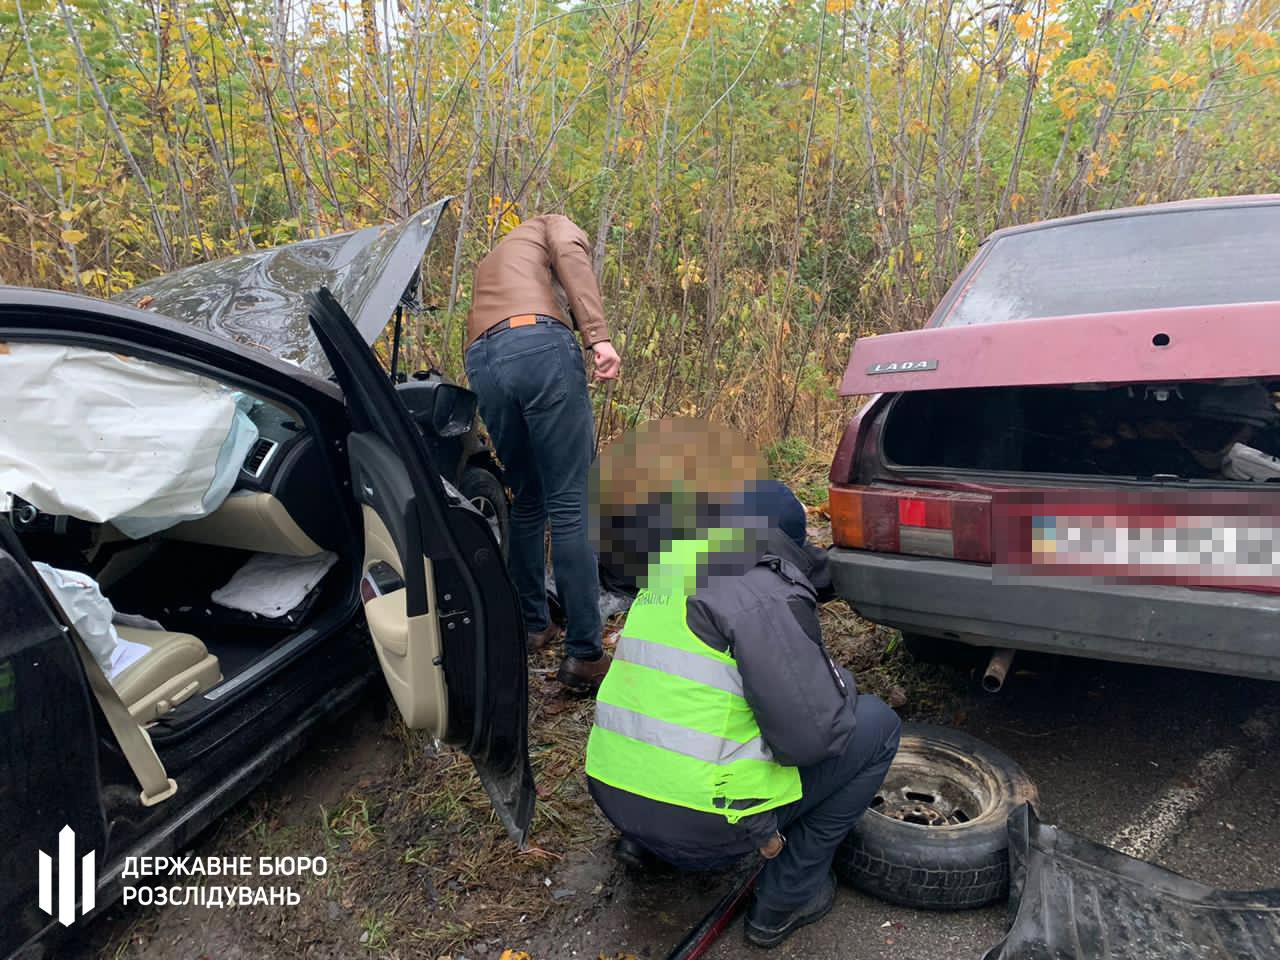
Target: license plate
1198,546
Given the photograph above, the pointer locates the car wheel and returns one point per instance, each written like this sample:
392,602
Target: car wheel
935,836
951,653
487,495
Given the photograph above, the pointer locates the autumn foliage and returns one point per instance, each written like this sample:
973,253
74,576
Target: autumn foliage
764,180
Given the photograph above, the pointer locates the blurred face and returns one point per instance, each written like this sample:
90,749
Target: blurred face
664,481
675,455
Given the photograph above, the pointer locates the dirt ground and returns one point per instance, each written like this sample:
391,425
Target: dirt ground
419,866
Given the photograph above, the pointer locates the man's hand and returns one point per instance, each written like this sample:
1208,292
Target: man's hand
608,363
773,847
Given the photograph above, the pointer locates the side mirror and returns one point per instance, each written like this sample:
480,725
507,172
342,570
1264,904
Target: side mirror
453,410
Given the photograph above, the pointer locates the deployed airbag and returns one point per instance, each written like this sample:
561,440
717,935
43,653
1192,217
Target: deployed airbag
1073,899
94,618
103,437
272,584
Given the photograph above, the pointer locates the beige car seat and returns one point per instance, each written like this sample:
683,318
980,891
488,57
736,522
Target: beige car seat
177,667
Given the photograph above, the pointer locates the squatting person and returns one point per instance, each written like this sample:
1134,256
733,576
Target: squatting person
531,292
724,726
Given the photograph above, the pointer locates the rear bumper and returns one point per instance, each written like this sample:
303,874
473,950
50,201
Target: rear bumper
1221,631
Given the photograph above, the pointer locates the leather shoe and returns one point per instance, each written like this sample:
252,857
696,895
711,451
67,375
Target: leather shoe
583,675
544,638
768,928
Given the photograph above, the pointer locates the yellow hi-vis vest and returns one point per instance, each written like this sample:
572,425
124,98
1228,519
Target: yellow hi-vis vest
672,723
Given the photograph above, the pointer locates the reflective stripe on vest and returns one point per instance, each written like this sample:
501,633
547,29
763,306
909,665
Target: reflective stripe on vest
658,656
672,722
669,736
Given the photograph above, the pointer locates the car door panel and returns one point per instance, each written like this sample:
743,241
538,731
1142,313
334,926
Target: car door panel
48,743
469,687
407,642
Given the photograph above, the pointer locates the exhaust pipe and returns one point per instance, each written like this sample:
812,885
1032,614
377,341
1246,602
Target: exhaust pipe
997,669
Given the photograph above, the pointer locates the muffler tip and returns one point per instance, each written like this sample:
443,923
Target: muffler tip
997,669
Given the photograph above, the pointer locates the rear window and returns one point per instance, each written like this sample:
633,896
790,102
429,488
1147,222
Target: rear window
1147,261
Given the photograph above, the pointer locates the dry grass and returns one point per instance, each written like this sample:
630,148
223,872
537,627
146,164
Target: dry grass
422,857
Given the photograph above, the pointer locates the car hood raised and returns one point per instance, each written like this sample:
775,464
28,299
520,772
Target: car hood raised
259,298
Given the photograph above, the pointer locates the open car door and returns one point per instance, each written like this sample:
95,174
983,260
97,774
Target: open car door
443,614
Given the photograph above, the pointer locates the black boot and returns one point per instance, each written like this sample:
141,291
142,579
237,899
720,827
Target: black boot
768,928
631,855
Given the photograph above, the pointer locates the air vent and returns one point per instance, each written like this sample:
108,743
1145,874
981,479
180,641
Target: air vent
259,457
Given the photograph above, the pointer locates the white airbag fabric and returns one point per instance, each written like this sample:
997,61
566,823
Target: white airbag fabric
103,437
94,618
86,609
272,584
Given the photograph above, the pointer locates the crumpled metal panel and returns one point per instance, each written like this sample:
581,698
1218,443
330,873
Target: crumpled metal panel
1072,899
259,298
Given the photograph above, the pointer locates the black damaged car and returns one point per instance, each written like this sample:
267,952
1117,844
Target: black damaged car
140,726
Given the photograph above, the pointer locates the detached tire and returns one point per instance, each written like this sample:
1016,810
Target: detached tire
487,495
935,836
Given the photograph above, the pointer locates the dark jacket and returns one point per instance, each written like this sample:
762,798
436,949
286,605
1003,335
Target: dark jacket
764,613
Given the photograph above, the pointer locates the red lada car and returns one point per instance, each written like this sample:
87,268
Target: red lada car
1080,452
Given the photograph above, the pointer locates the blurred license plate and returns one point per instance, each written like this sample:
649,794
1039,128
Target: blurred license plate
1207,538
1199,545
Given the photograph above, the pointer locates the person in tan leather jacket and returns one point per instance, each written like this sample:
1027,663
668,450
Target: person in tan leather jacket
532,293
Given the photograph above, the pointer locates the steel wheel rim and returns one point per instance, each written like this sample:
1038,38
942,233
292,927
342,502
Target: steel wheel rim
940,789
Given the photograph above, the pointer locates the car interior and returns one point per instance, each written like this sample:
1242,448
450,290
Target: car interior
1214,432
199,603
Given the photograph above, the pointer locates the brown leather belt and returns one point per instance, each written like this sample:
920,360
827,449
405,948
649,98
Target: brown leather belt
522,320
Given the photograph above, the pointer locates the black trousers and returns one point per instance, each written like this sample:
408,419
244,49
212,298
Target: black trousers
836,793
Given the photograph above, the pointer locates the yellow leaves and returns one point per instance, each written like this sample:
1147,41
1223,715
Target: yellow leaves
1181,80
1055,34
514,955
1139,11
1067,101
1159,83
97,279
1106,89
916,126
1222,39
502,217
1088,68
1247,63
1176,30
1097,169
1016,200
1024,26
73,236
689,273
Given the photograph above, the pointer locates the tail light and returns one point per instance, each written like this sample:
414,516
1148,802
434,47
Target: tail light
911,520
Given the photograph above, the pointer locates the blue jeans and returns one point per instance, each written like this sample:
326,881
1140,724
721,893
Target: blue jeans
533,397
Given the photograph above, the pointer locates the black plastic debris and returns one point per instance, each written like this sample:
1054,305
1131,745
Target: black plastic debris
1072,899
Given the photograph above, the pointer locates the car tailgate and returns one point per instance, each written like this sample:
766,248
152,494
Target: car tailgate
1175,344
